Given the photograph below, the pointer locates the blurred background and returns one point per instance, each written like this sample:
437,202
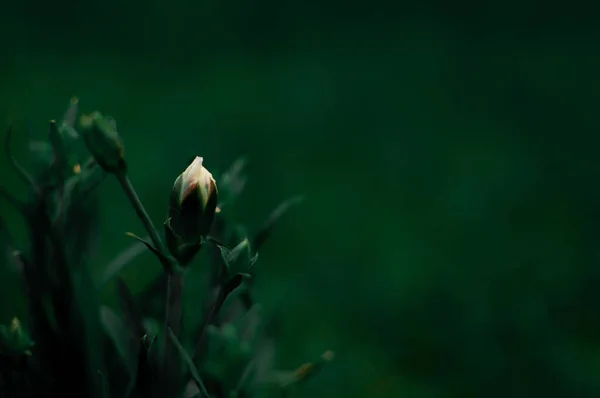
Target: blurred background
448,151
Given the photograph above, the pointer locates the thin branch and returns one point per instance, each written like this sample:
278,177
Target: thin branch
135,201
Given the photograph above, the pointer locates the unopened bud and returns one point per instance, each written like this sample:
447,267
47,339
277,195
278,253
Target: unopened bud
192,209
15,327
103,141
14,340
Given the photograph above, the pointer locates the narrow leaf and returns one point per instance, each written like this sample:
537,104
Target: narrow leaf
142,382
241,250
154,250
190,364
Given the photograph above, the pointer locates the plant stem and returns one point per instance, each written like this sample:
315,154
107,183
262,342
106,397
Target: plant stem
174,303
174,275
143,216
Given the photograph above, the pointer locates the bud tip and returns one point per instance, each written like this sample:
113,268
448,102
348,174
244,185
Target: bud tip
15,325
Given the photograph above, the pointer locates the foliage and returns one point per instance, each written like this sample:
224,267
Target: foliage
75,345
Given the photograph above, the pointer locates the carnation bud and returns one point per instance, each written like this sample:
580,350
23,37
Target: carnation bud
192,209
103,141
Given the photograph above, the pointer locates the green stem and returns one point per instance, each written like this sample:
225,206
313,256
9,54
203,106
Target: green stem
173,311
143,216
174,275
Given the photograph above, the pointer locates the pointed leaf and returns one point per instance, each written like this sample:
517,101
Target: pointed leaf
241,250
142,383
239,257
154,250
225,251
190,364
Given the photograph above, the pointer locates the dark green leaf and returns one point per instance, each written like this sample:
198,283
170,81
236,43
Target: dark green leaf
154,250
190,364
241,251
143,383
238,258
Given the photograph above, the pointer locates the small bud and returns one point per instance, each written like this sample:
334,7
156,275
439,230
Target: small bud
103,141
15,326
14,340
192,209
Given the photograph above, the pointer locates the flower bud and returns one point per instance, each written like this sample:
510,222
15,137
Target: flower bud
14,340
103,141
192,209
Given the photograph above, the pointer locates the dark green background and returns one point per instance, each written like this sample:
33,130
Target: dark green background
449,246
